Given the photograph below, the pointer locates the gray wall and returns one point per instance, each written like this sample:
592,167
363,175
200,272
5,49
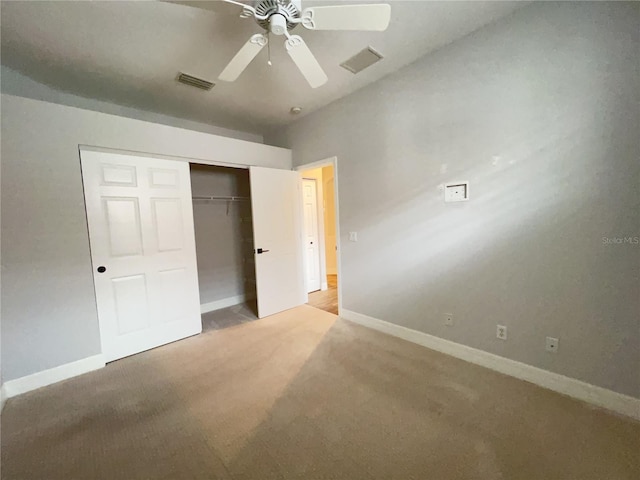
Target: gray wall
541,113
15,83
223,233
48,304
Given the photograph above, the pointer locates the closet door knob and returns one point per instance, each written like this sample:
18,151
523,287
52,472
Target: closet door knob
102,269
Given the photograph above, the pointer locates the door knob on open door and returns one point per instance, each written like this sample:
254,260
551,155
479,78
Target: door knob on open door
102,269
260,250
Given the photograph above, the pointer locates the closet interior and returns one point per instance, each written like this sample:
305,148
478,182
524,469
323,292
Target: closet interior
224,238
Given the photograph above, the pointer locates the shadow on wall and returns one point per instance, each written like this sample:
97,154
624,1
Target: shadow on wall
539,113
494,259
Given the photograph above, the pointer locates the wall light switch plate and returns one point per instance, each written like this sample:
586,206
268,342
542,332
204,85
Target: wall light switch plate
353,236
456,192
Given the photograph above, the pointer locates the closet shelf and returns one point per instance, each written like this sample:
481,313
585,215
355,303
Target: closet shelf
218,197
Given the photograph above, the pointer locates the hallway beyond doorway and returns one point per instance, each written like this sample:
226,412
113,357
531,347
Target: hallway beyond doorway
326,300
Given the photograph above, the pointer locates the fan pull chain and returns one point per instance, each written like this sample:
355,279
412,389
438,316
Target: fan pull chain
269,48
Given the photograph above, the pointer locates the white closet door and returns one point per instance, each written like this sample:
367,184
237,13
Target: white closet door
275,204
140,220
311,250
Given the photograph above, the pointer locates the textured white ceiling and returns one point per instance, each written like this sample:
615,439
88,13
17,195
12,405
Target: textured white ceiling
130,53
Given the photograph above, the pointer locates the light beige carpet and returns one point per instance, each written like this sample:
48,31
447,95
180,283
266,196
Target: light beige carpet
302,395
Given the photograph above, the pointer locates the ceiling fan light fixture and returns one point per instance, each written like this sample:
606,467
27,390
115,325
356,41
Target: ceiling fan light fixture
277,24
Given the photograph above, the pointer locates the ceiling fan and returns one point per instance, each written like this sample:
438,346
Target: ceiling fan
279,17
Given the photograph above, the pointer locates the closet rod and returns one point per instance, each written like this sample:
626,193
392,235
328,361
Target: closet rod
213,197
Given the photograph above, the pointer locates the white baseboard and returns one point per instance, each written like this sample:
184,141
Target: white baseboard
223,303
3,397
578,389
53,375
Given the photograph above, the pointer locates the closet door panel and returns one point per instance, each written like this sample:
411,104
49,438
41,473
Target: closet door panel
277,230
168,223
140,221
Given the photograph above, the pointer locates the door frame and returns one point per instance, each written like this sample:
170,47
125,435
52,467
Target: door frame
330,161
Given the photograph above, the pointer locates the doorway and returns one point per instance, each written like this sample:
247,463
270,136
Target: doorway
320,238
224,245
259,270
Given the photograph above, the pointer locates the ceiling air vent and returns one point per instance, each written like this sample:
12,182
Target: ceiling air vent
195,82
362,60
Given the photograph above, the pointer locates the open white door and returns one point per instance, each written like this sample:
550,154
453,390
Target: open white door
275,205
311,243
141,233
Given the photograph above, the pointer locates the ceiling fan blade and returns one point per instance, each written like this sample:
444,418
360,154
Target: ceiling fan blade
305,61
243,58
216,6
348,17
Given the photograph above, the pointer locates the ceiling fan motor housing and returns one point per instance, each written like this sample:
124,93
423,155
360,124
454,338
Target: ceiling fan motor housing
278,24
278,13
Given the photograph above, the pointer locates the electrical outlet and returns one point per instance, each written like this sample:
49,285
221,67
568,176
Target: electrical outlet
448,319
552,345
501,332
